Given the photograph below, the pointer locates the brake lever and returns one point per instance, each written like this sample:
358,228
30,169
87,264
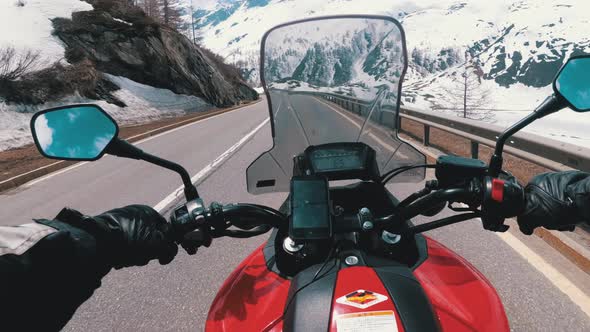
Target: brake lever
441,223
461,209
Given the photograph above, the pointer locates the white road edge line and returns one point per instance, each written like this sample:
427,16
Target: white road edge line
56,173
67,169
561,282
207,169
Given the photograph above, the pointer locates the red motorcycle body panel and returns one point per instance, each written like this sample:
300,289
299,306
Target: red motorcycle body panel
253,298
462,298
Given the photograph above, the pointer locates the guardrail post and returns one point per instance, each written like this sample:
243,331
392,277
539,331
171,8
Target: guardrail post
474,150
426,138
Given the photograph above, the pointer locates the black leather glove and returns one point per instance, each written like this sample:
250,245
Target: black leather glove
556,201
128,236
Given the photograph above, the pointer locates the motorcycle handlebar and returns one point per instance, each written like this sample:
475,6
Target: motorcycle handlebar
440,196
252,219
249,216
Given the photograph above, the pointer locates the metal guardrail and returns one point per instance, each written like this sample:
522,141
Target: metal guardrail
546,152
552,154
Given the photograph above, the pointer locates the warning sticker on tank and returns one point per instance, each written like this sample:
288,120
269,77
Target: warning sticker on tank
361,299
372,321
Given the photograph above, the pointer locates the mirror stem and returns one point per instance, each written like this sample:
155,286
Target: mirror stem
122,148
550,105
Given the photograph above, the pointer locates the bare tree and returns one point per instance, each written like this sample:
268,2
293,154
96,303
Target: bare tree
14,64
467,94
193,32
151,8
172,13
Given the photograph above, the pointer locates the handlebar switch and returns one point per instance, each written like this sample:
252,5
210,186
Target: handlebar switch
186,217
502,198
216,217
497,192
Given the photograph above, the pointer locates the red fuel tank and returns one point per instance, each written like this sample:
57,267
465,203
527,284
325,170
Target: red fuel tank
253,298
463,299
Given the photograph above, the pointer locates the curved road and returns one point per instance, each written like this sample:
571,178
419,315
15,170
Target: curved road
176,297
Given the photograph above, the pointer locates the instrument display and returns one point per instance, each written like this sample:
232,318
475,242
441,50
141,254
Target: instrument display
337,159
340,161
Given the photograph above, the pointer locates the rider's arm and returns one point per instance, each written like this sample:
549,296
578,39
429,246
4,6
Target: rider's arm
49,268
557,201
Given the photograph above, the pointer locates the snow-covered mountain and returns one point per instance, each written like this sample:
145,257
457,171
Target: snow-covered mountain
30,27
517,41
325,54
518,44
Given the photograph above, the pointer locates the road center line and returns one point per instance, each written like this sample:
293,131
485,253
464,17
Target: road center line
209,168
67,169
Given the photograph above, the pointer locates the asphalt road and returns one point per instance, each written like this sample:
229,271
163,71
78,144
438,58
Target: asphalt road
176,297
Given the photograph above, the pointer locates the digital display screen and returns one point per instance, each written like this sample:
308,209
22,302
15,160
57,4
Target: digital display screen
310,209
336,159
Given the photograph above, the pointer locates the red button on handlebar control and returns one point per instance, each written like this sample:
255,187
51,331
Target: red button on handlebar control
498,190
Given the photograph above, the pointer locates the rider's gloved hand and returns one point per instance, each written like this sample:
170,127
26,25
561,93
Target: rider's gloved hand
556,201
128,236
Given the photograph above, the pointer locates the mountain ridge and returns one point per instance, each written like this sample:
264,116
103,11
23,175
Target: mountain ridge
517,43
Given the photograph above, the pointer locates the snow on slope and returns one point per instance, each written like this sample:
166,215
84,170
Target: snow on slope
533,29
144,102
29,27
520,43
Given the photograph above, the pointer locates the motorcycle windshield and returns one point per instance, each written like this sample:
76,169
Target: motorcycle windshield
329,80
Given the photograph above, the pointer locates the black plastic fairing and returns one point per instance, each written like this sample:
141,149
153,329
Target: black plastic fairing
309,304
411,302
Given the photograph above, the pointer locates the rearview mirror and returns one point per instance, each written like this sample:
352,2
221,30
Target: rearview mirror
76,132
572,83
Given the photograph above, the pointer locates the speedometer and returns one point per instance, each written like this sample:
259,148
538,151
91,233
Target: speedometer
340,161
336,159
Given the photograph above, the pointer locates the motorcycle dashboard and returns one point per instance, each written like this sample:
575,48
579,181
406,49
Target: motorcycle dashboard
342,161
336,159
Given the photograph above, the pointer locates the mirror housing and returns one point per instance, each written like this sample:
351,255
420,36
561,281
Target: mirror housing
572,83
85,132
77,132
571,89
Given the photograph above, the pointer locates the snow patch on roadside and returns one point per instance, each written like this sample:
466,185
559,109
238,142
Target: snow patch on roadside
145,104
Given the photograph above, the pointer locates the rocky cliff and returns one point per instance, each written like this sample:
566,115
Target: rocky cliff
123,41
